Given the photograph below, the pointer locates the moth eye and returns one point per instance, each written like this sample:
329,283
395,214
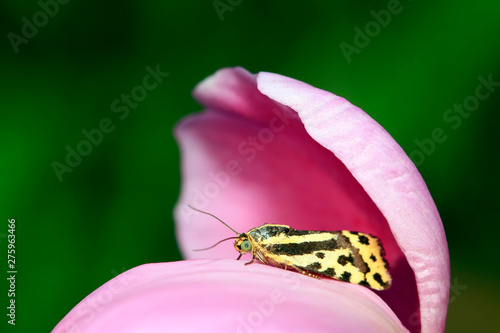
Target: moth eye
246,246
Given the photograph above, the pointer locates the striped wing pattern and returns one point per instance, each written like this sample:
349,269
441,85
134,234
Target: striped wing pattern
343,255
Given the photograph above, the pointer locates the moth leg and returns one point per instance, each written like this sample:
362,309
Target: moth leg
251,261
306,272
255,254
261,258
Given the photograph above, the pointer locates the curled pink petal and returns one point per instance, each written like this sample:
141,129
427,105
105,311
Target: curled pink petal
270,149
389,177
226,296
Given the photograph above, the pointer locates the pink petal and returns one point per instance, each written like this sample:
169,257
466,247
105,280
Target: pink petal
240,95
226,296
389,177
293,180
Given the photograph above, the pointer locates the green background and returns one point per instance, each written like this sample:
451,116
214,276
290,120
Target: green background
114,210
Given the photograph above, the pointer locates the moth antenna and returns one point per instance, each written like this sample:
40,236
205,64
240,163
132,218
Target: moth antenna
208,248
215,217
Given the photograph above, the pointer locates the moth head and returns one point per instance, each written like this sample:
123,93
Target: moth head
243,244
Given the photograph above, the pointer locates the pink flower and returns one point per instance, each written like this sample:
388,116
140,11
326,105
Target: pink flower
270,149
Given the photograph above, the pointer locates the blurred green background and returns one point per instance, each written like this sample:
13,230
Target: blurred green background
114,210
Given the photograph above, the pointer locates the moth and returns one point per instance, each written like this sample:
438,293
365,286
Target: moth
343,255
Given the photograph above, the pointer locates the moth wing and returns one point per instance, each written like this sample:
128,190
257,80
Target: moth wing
343,255
371,252
311,251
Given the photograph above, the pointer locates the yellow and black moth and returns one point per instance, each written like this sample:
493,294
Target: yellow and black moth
347,256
